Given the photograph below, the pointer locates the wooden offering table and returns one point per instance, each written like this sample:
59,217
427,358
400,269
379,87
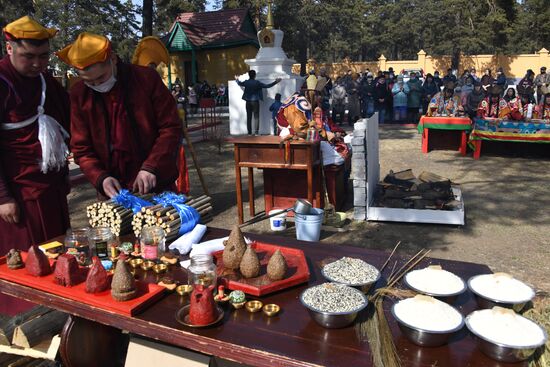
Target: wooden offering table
291,338
267,152
427,123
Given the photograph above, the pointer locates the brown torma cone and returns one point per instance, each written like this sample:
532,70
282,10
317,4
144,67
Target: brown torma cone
123,286
37,263
14,260
250,264
235,247
276,267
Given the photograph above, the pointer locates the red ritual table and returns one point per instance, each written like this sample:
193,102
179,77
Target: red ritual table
427,123
291,338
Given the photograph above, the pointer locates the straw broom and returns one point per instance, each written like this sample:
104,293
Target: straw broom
373,325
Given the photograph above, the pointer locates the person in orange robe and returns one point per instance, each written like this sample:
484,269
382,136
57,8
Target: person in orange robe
125,128
33,196
493,106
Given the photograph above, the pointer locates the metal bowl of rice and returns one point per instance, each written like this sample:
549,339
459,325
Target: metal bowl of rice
333,305
352,272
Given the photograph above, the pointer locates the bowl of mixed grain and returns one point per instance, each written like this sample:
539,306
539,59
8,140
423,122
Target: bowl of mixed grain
351,272
333,305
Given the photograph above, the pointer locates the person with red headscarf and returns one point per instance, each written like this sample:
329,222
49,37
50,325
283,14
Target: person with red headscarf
34,121
125,126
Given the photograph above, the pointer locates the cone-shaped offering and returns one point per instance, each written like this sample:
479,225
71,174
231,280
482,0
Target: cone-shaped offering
98,278
67,272
250,264
276,267
123,286
14,260
235,247
37,263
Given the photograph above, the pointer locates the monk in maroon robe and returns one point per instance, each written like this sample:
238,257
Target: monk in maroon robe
33,204
125,128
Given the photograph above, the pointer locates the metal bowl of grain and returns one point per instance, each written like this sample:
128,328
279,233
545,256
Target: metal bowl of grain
333,305
352,272
504,335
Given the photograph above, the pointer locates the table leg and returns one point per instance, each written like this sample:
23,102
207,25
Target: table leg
463,143
239,187
477,150
425,134
251,191
86,343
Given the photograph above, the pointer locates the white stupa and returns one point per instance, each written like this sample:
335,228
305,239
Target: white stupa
270,63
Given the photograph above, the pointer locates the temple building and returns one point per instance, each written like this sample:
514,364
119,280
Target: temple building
210,46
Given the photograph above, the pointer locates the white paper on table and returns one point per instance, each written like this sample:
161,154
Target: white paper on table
186,241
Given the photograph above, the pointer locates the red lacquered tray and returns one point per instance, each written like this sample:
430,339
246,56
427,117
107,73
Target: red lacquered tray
297,272
147,293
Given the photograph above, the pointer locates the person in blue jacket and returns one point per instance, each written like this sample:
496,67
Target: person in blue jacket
253,94
274,108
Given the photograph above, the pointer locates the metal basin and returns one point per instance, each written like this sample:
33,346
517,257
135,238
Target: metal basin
449,298
334,320
503,352
488,302
422,337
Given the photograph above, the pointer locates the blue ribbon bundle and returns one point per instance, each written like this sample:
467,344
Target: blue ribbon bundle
189,217
130,201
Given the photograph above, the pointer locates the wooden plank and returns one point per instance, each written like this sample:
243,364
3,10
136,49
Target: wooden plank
46,350
8,325
37,330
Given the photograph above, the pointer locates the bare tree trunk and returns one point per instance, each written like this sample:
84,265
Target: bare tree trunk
147,16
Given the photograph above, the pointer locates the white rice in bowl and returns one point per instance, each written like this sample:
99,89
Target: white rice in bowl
504,326
501,287
427,313
434,280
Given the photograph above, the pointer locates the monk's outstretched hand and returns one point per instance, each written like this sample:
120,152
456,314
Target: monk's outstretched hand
144,182
111,186
9,212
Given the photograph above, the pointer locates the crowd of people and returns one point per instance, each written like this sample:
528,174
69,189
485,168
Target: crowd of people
188,98
399,100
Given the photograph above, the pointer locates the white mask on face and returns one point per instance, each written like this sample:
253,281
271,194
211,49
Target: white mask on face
107,85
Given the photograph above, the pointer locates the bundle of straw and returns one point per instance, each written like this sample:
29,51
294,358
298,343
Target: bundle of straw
373,325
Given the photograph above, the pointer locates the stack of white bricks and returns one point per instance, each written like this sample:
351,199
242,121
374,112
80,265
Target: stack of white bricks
359,169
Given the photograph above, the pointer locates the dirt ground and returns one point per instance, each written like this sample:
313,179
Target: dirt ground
507,205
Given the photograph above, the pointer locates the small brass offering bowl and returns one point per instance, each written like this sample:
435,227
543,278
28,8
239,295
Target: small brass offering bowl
160,268
271,309
147,265
134,263
253,306
238,305
184,289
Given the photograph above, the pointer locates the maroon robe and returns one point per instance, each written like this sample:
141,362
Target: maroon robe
106,141
42,198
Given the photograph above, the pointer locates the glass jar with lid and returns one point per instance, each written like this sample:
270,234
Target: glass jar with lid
77,243
101,241
202,270
152,241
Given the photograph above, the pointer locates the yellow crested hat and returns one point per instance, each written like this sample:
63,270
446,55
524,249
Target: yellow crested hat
28,28
150,50
86,50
